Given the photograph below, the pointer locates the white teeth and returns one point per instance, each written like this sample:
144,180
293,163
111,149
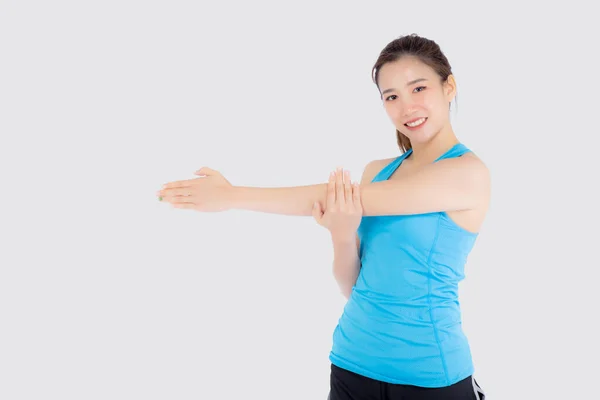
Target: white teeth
416,123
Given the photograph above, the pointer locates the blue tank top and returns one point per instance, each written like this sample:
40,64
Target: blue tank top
402,321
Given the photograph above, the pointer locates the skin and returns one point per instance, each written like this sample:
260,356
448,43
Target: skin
404,100
342,217
459,186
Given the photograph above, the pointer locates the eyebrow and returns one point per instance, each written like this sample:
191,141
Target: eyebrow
408,84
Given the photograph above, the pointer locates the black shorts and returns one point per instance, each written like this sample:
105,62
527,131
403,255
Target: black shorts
346,385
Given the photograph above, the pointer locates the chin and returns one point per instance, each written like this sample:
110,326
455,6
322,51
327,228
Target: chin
421,138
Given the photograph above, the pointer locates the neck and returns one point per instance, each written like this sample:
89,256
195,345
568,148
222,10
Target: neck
428,152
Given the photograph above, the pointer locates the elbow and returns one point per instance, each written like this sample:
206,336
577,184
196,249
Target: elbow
346,292
346,285
345,289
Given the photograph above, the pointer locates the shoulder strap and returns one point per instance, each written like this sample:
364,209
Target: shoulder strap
389,169
455,151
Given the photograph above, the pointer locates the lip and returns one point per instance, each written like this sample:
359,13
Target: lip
416,127
414,119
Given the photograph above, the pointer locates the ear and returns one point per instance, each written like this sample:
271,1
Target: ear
450,88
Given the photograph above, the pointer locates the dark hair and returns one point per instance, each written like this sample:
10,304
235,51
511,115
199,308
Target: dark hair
426,50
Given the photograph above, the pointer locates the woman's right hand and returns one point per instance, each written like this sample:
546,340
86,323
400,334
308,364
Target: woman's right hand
343,211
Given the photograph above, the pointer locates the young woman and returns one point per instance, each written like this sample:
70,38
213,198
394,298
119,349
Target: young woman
401,238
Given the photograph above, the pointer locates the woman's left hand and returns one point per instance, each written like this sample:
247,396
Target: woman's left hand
210,193
343,211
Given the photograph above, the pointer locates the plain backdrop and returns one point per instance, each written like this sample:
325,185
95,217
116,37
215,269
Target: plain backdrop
106,293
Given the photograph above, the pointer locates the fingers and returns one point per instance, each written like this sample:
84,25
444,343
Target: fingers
178,184
205,171
170,193
181,200
331,190
356,195
339,187
348,187
185,206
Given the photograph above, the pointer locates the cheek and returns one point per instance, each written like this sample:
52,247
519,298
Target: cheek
394,109
429,103
437,103
391,111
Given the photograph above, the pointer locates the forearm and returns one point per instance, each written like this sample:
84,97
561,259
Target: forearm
295,200
346,263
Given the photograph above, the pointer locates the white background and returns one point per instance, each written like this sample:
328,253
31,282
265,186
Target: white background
106,293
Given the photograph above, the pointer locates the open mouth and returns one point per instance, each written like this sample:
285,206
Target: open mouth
416,124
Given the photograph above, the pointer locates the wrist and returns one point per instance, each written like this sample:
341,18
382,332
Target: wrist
232,197
343,238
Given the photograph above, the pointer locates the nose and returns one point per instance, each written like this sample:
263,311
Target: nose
408,111
408,107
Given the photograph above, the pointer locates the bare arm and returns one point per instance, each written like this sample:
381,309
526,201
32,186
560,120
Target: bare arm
346,250
453,184
293,200
346,263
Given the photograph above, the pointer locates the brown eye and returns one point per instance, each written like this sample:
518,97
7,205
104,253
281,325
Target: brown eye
420,87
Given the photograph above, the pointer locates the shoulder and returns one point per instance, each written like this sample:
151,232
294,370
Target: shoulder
468,173
470,166
373,168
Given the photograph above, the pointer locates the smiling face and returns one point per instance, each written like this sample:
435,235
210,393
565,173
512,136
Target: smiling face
415,98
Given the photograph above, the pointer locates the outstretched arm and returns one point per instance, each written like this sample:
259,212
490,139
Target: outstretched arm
453,184
294,200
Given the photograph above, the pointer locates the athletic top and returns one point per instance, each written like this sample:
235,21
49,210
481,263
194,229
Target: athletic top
402,322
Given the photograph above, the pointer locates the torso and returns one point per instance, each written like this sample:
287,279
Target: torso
402,321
